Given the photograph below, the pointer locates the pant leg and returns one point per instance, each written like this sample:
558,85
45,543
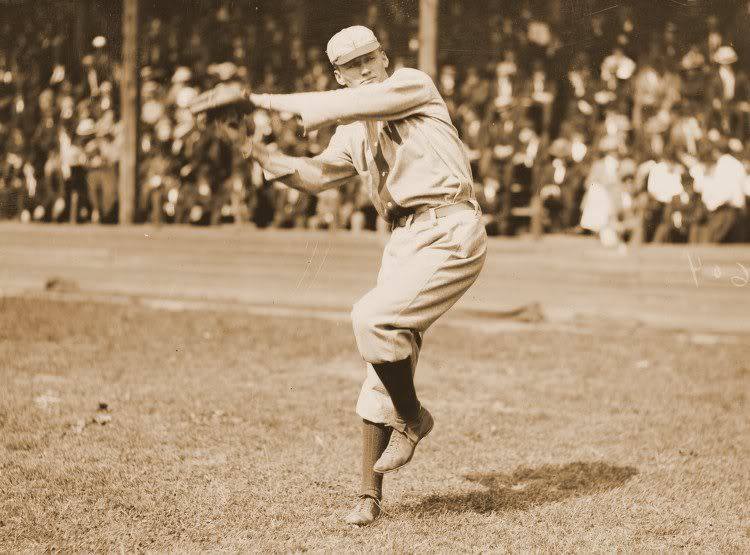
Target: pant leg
663,233
109,194
95,190
426,268
374,403
720,223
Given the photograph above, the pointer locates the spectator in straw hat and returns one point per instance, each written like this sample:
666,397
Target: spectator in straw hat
693,75
722,87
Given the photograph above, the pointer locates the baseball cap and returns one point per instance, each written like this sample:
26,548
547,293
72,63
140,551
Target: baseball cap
351,42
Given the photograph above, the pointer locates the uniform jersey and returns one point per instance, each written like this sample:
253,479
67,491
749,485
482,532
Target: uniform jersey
396,135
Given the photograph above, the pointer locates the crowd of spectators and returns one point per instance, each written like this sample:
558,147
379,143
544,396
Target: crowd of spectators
631,125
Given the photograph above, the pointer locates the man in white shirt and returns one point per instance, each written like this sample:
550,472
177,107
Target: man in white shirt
723,193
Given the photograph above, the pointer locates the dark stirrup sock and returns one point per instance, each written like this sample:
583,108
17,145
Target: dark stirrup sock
399,383
374,441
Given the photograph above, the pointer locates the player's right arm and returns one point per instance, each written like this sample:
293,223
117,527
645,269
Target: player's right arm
406,92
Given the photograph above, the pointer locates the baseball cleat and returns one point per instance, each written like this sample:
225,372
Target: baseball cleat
402,444
365,512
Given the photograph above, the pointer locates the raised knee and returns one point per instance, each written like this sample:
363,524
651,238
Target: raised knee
362,318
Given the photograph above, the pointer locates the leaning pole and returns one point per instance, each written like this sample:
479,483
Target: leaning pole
428,32
129,105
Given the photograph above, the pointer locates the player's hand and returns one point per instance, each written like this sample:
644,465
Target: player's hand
237,132
248,150
257,150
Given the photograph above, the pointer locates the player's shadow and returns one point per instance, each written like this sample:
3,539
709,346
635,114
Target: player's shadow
528,487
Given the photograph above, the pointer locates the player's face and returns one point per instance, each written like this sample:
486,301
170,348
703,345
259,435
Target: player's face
363,70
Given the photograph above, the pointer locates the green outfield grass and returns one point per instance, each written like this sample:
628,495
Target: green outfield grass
228,431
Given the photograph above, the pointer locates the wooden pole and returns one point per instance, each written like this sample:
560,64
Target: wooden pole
537,207
428,31
554,9
130,112
83,14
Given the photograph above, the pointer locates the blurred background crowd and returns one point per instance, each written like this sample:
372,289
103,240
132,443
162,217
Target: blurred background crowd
630,121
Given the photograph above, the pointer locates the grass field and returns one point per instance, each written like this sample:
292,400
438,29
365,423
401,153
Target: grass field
232,431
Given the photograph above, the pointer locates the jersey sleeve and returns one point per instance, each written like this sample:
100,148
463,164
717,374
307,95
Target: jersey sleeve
405,93
334,164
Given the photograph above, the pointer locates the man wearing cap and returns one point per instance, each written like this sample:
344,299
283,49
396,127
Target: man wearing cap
394,133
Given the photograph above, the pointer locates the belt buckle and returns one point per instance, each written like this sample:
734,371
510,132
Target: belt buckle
397,221
404,220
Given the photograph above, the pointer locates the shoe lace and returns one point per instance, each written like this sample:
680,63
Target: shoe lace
394,444
361,503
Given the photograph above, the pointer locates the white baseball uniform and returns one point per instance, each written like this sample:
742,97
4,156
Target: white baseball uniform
398,137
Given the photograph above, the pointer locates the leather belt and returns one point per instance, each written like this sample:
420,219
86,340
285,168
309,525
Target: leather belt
433,213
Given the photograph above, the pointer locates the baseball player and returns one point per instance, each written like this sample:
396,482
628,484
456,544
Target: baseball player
394,133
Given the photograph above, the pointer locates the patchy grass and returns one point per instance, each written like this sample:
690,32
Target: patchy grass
233,432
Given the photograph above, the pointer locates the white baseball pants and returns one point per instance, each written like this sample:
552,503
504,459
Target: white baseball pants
427,266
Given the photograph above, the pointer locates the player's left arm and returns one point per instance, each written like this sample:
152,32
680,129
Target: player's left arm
310,175
330,169
404,93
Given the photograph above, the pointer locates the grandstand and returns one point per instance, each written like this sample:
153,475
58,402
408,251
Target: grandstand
581,117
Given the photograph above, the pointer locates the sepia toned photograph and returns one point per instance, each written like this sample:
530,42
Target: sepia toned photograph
353,276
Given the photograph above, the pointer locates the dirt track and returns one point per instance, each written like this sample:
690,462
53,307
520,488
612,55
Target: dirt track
572,278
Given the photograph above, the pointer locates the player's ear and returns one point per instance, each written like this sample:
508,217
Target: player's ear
386,61
339,78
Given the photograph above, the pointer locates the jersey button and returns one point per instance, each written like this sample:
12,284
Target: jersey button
390,205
